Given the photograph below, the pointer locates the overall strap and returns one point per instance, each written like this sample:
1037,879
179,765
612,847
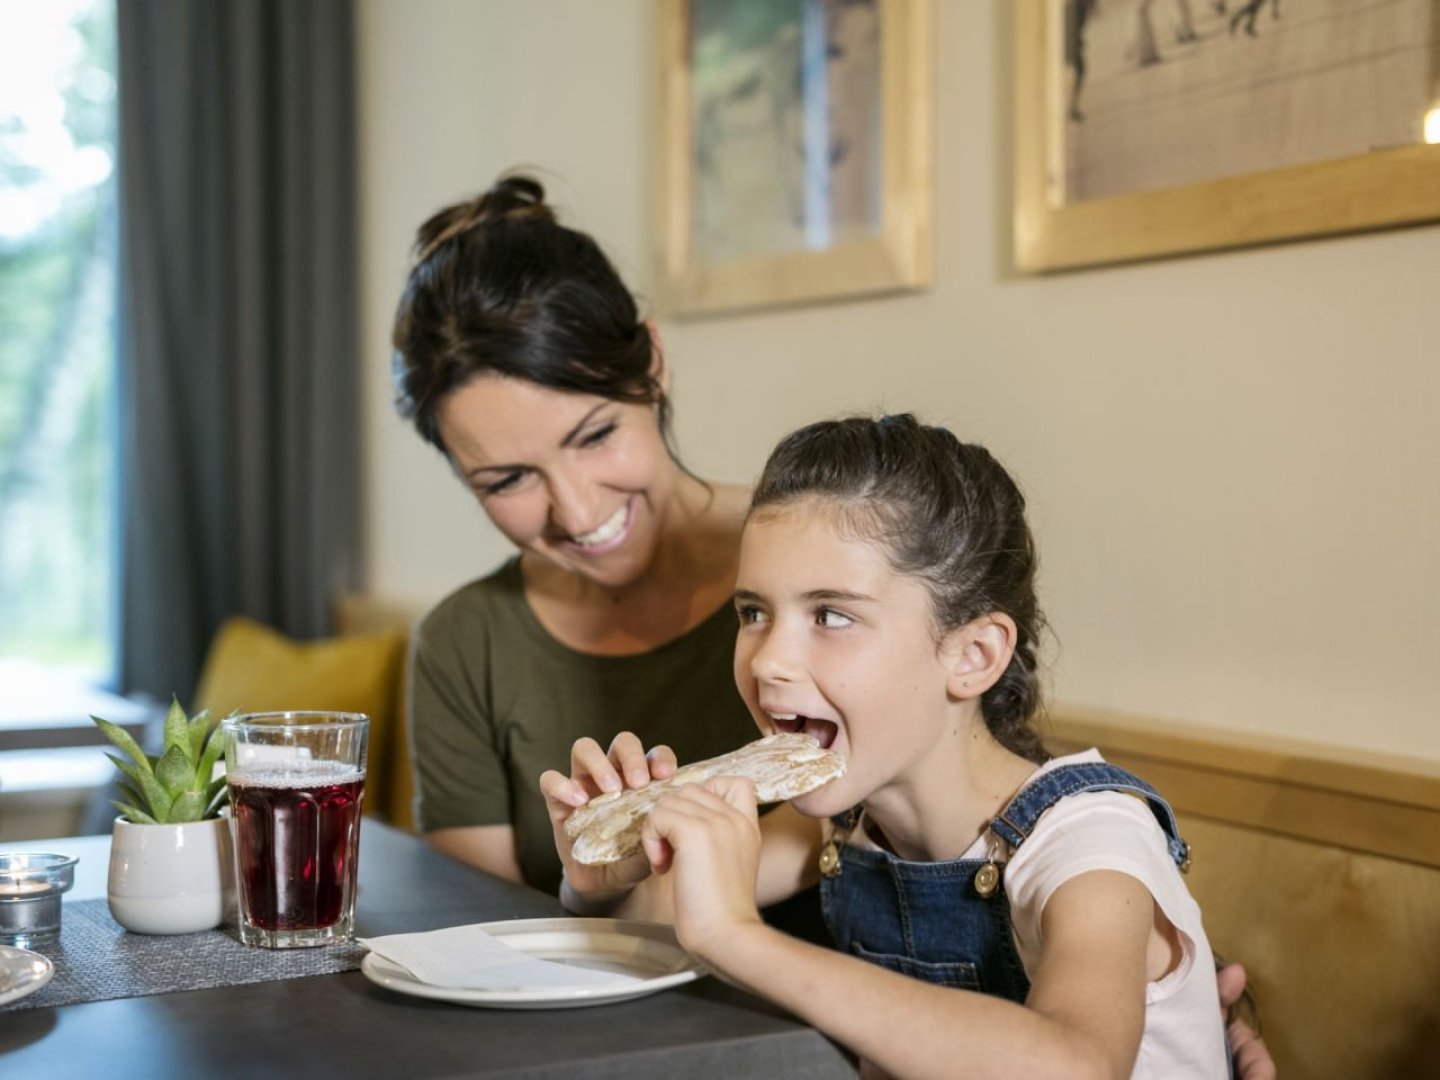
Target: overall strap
1017,820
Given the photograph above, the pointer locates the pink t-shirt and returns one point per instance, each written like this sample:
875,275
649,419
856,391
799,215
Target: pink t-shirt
1109,830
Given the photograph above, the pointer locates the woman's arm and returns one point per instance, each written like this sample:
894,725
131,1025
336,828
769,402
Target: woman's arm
489,847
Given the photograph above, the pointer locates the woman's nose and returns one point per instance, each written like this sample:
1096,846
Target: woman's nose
573,506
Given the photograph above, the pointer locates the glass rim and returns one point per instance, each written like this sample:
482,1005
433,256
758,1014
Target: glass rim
38,864
279,720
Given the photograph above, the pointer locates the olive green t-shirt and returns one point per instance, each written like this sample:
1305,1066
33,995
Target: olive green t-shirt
495,701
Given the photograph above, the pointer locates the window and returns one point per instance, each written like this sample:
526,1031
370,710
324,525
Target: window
58,237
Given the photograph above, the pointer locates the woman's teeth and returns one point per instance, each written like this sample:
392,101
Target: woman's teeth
607,531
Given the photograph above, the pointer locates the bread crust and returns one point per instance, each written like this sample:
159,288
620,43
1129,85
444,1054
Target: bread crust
782,766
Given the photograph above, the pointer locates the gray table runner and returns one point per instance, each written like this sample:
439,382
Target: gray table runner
97,960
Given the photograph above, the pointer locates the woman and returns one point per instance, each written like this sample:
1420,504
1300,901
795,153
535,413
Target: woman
520,355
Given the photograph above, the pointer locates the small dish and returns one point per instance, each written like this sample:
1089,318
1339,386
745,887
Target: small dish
647,951
22,972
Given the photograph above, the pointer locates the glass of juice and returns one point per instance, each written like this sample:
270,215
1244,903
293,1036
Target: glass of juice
296,780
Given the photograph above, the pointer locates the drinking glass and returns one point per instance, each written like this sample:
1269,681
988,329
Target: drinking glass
296,780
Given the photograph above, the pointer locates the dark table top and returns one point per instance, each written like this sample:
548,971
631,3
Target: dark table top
345,1026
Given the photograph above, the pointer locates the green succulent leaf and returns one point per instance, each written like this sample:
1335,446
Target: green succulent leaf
156,797
199,728
121,738
211,754
188,807
175,785
133,814
177,730
176,772
216,794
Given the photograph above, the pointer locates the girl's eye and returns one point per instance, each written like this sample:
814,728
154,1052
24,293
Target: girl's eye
749,614
599,435
831,619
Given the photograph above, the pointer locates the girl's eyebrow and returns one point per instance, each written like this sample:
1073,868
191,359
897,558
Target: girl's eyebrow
569,439
841,595
825,595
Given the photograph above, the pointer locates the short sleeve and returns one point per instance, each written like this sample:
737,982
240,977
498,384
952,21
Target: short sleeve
1103,830
460,776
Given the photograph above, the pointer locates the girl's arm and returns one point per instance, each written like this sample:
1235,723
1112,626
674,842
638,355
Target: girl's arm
1087,1002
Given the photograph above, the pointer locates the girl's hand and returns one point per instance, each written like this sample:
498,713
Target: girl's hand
593,771
708,836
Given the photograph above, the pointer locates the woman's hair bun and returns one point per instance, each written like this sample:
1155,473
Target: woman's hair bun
513,198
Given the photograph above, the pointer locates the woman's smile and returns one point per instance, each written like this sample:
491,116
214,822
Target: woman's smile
608,535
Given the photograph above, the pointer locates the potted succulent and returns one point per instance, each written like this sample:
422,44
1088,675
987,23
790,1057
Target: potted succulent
171,862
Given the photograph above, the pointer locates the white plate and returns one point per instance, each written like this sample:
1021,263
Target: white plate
648,951
22,972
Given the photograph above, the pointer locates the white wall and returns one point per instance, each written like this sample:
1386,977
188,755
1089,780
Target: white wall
1232,460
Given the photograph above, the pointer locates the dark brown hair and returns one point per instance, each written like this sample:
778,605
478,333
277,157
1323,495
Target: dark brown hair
945,512
499,286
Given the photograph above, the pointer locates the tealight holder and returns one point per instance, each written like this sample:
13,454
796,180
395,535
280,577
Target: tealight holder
30,888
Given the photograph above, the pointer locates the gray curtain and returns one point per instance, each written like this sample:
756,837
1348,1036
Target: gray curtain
239,398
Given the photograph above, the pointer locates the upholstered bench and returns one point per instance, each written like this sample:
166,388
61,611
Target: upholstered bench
1318,868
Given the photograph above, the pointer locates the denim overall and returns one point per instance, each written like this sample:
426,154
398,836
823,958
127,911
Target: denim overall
929,921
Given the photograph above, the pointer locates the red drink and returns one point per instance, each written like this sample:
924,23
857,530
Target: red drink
295,841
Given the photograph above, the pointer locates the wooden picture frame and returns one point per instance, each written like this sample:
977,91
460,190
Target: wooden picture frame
1372,190
893,252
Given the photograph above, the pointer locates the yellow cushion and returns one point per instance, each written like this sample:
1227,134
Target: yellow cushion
252,668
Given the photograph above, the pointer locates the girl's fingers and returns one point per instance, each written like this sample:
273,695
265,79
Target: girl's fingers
657,850
735,791
589,762
694,808
562,795
662,762
628,756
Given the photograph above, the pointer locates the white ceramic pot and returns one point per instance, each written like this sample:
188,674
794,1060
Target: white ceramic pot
171,879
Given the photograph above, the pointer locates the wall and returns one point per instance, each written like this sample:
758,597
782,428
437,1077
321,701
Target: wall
1231,459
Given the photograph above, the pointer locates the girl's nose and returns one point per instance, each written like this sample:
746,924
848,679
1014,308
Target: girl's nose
775,660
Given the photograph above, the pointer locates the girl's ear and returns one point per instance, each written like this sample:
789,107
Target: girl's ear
659,369
978,653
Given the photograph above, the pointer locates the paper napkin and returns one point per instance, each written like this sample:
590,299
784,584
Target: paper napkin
469,958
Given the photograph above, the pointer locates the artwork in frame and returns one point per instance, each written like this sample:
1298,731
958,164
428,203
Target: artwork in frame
794,151
1146,128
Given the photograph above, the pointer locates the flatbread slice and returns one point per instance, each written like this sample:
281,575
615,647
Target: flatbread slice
783,766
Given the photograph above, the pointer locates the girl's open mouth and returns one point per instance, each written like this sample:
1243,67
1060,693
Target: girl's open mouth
822,731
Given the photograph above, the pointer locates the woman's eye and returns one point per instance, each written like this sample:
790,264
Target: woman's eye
599,435
831,619
499,487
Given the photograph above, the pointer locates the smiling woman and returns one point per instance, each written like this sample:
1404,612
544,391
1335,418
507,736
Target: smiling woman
522,357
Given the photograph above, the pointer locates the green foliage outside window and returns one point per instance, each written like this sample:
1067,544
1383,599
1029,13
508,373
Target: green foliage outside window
57,334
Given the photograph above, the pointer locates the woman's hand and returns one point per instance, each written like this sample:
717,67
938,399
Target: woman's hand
1252,1057
707,836
594,771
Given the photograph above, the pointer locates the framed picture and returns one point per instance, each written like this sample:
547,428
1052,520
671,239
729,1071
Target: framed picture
1156,127
794,150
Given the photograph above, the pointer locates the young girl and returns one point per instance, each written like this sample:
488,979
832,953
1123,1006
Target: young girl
887,608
